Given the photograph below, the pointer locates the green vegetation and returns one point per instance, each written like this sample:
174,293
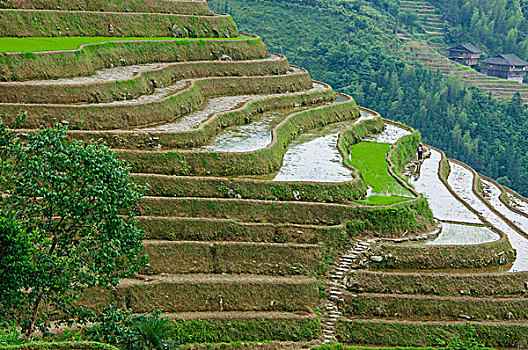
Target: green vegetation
496,26
85,61
35,44
370,159
377,200
431,334
67,225
59,345
339,346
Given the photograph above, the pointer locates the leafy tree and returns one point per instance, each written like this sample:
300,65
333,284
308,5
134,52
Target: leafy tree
74,203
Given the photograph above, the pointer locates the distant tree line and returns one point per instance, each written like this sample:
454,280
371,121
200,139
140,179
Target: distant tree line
497,26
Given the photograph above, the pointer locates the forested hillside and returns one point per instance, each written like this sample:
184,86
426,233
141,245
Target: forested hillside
354,48
498,26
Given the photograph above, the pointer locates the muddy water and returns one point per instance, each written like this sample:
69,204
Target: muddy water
444,206
314,156
255,135
249,137
519,220
391,134
457,234
518,203
461,181
212,106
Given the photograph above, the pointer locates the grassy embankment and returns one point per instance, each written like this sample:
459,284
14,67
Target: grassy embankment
37,44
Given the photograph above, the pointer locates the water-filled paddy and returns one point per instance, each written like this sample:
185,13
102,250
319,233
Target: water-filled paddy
461,180
443,204
458,234
313,156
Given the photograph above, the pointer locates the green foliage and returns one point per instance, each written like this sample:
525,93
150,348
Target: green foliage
9,335
464,341
18,245
131,331
73,202
59,345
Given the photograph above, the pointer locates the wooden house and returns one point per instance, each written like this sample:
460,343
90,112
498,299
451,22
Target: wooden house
507,66
466,54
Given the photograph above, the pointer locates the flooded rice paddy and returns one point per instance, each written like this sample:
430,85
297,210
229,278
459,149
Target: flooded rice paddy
443,204
459,234
109,74
461,180
391,134
313,156
255,135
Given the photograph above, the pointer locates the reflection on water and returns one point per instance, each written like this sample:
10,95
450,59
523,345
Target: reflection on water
443,204
457,234
461,180
391,134
249,137
314,156
213,106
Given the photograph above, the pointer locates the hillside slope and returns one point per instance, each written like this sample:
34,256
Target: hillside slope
357,52
279,213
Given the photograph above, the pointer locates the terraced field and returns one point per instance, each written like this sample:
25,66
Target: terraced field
423,53
428,17
277,210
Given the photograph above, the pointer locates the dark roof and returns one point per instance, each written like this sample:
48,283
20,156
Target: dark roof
506,60
467,47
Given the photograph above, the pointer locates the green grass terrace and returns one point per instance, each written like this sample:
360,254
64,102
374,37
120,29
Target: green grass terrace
39,44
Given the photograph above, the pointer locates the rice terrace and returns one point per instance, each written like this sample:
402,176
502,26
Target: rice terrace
168,182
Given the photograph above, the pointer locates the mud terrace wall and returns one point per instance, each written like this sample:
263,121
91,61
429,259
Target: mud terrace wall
200,135
443,284
38,23
226,257
141,84
416,256
421,308
386,221
211,187
185,293
428,334
160,6
94,116
228,230
263,161
91,57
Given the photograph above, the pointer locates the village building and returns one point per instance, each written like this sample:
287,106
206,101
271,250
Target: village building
466,54
507,66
